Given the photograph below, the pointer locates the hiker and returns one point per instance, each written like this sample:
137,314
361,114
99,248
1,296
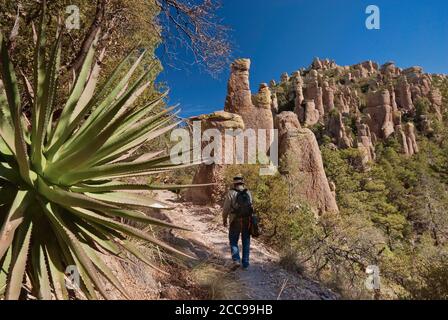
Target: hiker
238,210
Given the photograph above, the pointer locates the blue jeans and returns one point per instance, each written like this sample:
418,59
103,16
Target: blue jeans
236,228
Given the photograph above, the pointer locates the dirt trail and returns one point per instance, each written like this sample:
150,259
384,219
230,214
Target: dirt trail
264,279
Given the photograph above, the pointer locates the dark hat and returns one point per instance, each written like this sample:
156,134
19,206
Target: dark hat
238,179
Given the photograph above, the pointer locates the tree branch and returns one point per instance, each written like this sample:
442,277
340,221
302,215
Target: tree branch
76,63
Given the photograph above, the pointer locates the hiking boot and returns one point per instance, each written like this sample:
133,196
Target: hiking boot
235,265
245,267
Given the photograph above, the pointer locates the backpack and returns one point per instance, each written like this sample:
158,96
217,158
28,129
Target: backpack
243,209
243,204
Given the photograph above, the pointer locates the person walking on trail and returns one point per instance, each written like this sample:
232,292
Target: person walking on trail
238,211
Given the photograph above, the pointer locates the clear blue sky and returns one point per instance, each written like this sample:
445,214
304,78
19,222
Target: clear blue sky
285,35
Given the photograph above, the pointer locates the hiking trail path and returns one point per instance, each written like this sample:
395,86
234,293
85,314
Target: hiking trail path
265,278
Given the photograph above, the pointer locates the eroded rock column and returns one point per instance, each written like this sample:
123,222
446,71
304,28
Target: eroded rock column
301,163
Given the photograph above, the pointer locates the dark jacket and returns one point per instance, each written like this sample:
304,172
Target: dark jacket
229,204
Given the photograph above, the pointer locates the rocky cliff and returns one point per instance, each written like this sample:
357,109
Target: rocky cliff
354,106
362,104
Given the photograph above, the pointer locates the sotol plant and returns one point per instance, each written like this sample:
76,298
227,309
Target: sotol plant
61,196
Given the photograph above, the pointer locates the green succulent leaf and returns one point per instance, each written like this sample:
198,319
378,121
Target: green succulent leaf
56,270
13,97
17,267
14,219
62,197
41,275
4,267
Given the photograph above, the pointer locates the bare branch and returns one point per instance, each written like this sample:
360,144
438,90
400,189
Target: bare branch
197,28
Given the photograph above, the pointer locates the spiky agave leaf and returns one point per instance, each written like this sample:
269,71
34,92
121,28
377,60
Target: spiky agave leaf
60,199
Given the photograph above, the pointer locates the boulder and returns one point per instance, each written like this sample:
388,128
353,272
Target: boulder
238,88
213,173
426,125
404,96
327,96
264,97
284,78
239,96
389,69
255,111
311,113
312,76
406,137
344,100
220,120
420,84
365,69
412,70
336,130
364,143
411,140
393,100
380,114
370,66
301,163
401,136
295,87
435,97
317,64
263,111
412,73
332,188
274,103
314,92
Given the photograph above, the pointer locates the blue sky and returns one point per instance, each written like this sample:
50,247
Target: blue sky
285,35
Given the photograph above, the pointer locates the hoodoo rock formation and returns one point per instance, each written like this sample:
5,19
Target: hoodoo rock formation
314,92
263,104
435,97
354,106
364,143
338,131
377,95
214,173
307,113
239,97
255,110
411,141
403,95
379,111
301,162
328,96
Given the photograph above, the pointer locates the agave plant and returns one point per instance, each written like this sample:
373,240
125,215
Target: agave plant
62,192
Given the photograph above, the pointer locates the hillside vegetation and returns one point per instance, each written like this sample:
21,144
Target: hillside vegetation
392,214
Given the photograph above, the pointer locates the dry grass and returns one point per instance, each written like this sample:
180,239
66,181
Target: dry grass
218,283
289,261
